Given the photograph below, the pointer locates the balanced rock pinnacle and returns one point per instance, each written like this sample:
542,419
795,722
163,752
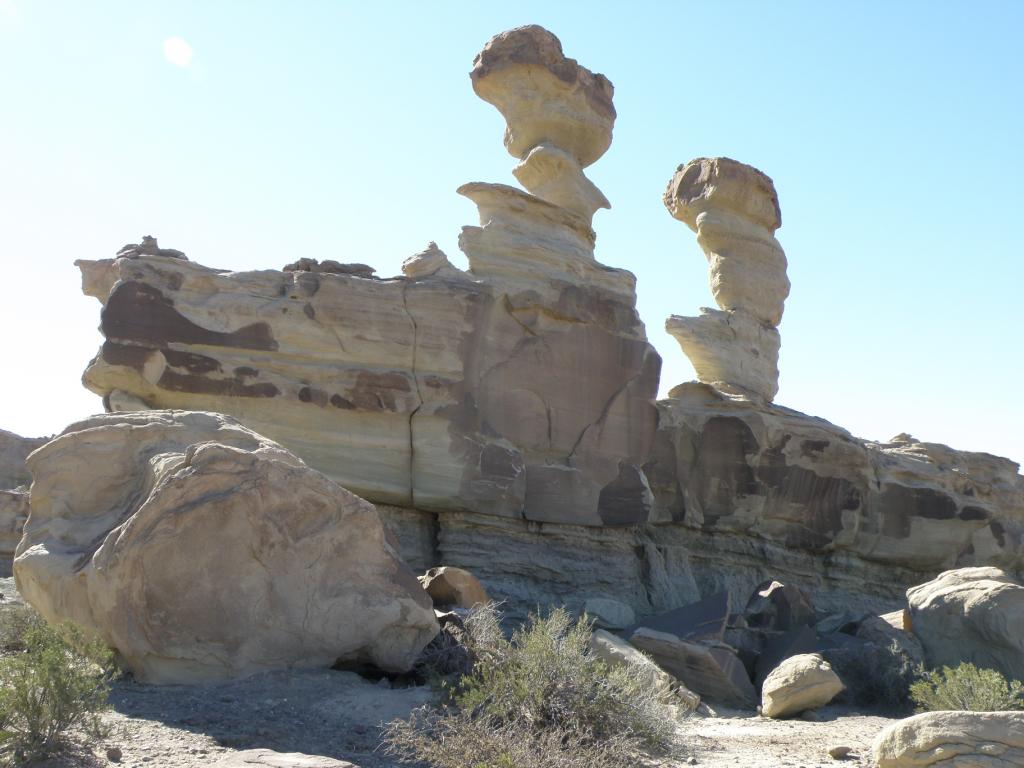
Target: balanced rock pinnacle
734,210
559,115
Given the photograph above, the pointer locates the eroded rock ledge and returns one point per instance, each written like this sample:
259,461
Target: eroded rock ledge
507,412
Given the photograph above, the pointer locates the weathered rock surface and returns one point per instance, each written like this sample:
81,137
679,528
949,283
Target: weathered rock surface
614,651
441,389
13,452
776,477
712,670
14,481
734,210
544,96
268,758
13,514
201,550
504,417
953,740
453,588
974,615
608,613
799,683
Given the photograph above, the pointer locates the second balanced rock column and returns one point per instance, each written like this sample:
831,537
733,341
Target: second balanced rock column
734,210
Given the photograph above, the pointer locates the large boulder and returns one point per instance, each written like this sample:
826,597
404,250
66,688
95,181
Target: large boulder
199,549
614,651
799,683
971,614
953,740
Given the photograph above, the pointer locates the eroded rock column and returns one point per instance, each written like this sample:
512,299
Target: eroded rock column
734,210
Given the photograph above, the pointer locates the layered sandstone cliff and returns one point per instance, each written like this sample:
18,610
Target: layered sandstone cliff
505,416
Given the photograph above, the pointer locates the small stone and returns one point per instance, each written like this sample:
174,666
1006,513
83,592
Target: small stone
839,752
114,754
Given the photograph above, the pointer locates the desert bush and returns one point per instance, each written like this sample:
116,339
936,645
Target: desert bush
15,622
460,740
966,688
58,682
540,698
875,676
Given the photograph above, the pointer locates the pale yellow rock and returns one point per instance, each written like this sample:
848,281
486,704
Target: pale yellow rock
545,97
201,550
801,682
973,615
428,262
554,175
615,651
734,210
952,740
732,351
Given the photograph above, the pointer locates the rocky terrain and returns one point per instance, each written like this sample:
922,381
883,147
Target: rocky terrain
285,451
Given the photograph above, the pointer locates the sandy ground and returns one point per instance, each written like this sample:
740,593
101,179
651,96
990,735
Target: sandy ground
339,714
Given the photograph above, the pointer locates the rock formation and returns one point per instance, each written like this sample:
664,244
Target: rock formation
14,481
734,210
503,417
799,683
442,390
560,115
200,550
974,615
952,740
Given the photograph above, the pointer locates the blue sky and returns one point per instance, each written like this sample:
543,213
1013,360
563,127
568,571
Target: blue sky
894,133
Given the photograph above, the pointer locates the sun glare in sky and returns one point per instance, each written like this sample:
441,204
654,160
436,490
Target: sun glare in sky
177,51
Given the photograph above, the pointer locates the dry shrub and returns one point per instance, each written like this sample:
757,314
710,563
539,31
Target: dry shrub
538,699
967,688
58,682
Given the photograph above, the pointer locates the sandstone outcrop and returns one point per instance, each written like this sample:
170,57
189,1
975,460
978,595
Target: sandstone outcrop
799,683
952,740
734,210
14,450
559,115
440,389
200,550
13,514
974,615
503,416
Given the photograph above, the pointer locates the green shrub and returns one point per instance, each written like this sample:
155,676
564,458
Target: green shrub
966,688
540,698
58,682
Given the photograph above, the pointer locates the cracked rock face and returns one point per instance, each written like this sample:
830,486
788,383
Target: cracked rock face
447,391
734,210
196,548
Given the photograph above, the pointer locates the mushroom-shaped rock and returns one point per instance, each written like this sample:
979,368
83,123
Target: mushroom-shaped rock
201,550
734,210
971,614
952,740
801,682
545,97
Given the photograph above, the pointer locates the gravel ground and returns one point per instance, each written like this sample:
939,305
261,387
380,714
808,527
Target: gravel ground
338,714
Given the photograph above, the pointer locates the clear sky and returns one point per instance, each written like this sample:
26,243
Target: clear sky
249,134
